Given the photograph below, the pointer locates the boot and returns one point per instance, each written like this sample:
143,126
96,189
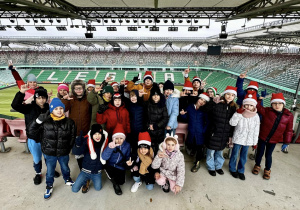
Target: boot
117,187
85,188
196,167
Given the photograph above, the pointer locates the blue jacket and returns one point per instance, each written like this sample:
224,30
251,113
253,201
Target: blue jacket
242,93
172,104
115,158
197,124
136,114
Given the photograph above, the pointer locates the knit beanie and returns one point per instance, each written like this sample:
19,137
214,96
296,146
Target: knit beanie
92,144
96,128
56,102
31,78
63,86
108,89
168,85
40,91
155,91
214,89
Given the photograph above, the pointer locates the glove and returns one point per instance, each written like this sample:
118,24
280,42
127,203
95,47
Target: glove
42,117
254,147
80,139
264,93
11,67
240,110
135,79
102,108
284,146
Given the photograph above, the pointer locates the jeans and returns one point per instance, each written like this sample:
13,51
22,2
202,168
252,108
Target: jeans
36,152
51,165
214,159
261,146
148,186
243,150
83,177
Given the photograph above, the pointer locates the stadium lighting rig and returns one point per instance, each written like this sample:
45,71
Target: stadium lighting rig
223,34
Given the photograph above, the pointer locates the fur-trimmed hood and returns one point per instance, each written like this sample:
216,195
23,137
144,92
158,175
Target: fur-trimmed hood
78,82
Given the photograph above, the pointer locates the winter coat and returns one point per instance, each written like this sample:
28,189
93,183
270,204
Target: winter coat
284,131
172,168
246,129
184,102
80,111
172,104
57,137
89,165
131,86
242,93
219,129
197,124
158,117
114,115
31,111
114,158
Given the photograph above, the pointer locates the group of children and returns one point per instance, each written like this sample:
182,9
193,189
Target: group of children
130,126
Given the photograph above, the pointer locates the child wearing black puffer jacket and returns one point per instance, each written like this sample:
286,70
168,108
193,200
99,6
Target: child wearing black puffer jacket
91,146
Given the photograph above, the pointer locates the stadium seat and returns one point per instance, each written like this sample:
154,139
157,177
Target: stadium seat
181,132
18,129
4,133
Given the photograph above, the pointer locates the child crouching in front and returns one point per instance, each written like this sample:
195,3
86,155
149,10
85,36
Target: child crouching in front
170,161
91,146
117,156
247,123
57,134
142,169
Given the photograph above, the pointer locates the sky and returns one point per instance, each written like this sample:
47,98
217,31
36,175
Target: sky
214,29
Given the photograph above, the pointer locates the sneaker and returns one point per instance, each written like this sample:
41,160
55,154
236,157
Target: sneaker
212,173
242,176
220,171
166,187
48,193
69,182
135,186
37,179
56,174
234,174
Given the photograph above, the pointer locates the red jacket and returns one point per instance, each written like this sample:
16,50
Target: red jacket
113,115
284,131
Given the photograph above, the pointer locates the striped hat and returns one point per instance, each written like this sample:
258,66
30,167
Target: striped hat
214,89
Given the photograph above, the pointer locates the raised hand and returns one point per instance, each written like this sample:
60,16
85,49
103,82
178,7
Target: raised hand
161,154
182,112
112,145
67,97
187,71
135,79
142,92
108,79
203,83
42,117
244,75
122,81
195,93
98,88
24,88
50,94
129,162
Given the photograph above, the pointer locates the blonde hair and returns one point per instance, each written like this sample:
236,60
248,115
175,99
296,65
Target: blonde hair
170,139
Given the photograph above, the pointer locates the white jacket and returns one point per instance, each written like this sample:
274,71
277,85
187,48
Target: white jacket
246,129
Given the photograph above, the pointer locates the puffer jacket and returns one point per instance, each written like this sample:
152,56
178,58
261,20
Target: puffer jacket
57,137
284,131
114,115
114,158
158,117
172,168
30,111
172,104
197,124
246,129
89,165
220,130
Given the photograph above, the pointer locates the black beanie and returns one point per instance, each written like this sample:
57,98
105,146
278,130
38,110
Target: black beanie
40,91
155,91
168,85
96,128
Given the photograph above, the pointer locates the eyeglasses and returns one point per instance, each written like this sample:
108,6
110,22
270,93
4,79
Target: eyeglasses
78,89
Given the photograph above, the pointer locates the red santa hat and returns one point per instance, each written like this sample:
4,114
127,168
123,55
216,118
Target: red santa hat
144,138
277,97
148,75
230,89
253,85
214,89
188,85
196,78
250,98
91,83
118,131
63,86
114,84
204,96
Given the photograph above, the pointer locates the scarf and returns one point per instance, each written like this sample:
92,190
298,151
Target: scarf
105,99
146,161
170,154
57,118
249,114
